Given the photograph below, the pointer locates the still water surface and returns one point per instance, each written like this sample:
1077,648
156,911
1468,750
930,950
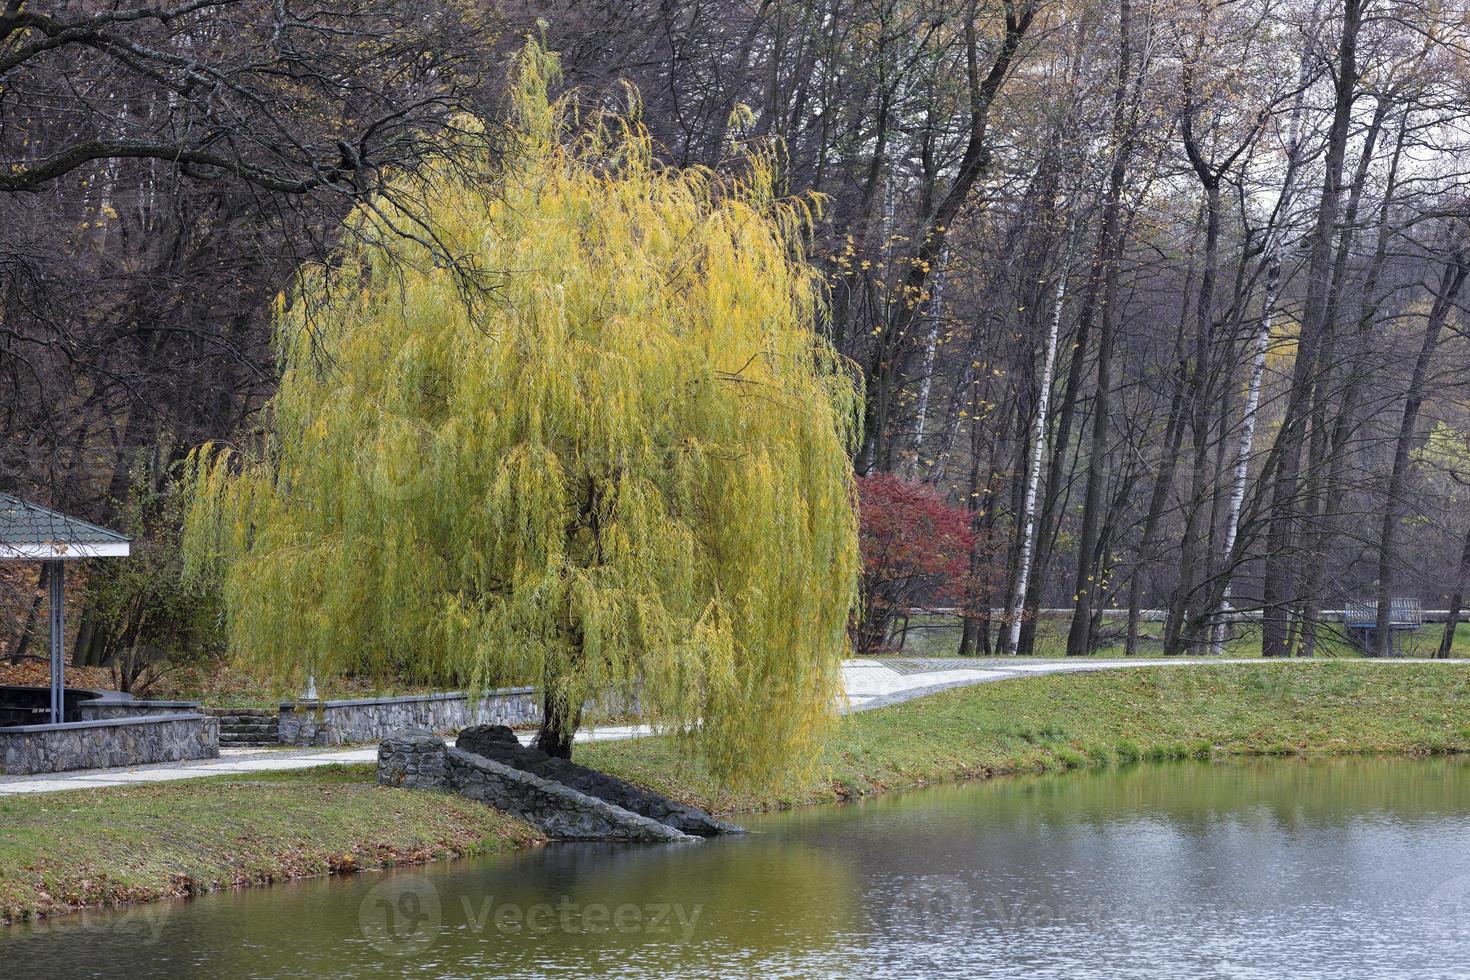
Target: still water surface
1273,869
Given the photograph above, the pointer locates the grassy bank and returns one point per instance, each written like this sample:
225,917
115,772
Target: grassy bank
103,846
1065,721
60,851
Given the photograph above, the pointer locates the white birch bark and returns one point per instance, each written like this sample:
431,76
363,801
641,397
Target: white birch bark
931,349
1258,364
1038,452
1243,452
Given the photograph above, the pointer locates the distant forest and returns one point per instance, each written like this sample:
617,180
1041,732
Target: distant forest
1167,297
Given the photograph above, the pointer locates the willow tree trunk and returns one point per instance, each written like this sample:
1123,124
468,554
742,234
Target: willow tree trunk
557,729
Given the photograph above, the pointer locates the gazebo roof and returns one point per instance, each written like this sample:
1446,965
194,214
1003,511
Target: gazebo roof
32,532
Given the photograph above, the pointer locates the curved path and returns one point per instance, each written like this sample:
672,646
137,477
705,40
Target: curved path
876,683
868,683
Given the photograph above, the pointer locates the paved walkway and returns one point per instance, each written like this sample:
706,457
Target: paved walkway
239,761
876,683
869,684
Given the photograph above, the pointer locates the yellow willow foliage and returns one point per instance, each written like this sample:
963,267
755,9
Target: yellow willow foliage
623,469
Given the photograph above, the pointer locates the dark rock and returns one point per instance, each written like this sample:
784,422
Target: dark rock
498,743
558,811
418,759
486,737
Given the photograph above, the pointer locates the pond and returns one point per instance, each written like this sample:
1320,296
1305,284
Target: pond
1258,869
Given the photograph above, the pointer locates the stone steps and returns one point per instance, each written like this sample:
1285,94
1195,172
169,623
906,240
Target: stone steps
247,726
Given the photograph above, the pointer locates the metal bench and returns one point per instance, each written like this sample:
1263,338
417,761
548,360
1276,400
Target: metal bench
1360,622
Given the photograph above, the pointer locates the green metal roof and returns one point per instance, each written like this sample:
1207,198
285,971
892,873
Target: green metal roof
34,532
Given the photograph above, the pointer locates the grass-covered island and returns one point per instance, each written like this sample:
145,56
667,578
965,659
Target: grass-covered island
96,847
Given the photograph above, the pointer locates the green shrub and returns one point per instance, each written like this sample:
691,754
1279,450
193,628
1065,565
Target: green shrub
1129,751
1070,758
142,617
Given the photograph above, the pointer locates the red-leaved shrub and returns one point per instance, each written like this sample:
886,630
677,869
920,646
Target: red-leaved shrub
916,550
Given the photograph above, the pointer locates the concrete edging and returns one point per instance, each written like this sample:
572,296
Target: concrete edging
68,726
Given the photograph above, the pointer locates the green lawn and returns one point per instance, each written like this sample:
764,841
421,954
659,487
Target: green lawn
95,847
1070,720
163,840
1430,637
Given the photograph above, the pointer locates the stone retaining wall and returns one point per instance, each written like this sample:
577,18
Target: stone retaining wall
558,810
419,759
372,719
412,759
107,743
499,744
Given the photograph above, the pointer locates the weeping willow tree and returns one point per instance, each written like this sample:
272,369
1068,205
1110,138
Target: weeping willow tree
623,470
